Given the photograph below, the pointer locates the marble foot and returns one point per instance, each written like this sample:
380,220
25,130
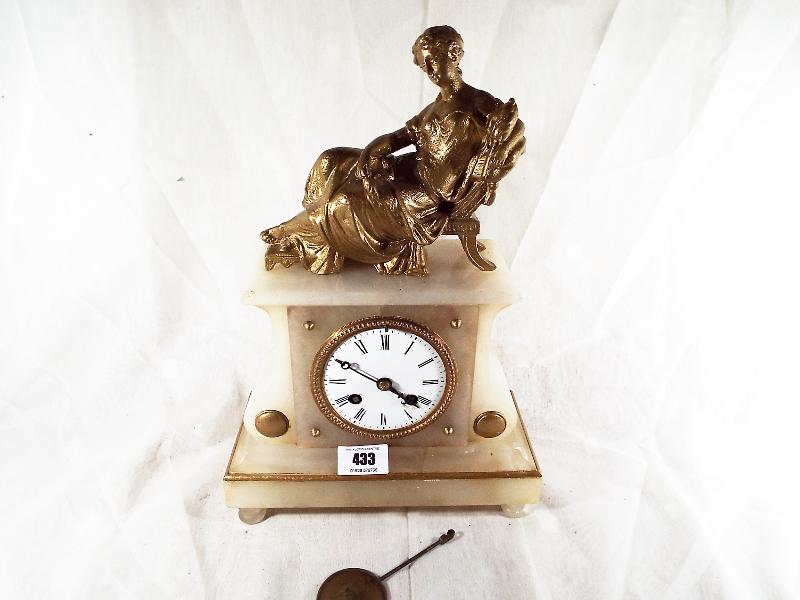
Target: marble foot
515,511
253,516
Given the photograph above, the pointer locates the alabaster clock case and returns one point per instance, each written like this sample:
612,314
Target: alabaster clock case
418,371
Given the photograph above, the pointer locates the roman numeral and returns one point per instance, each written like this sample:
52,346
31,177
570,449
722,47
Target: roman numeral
383,419
361,346
430,381
409,416
409,348
424,400
337,381
360,414
341,401
425,362
384,341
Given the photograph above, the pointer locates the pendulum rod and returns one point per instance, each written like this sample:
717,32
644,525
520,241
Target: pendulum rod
443,539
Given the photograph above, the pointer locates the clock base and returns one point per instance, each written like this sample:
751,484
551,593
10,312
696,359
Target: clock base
492,472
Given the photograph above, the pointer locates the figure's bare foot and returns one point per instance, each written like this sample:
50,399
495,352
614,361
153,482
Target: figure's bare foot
273,235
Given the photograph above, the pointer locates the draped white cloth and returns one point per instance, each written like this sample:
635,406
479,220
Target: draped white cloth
652,225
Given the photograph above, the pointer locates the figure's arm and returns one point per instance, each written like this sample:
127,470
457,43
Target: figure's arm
381,146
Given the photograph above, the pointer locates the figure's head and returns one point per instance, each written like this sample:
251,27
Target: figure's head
437,52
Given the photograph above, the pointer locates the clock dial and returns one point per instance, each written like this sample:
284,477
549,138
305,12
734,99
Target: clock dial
383,377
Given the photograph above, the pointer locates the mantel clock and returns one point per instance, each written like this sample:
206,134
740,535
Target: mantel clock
382,332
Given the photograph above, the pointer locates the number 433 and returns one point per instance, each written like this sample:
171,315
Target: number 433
364,458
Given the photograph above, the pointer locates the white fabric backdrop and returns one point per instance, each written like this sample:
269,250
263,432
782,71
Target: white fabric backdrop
652,224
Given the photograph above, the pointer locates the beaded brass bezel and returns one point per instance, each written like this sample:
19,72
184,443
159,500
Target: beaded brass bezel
342,334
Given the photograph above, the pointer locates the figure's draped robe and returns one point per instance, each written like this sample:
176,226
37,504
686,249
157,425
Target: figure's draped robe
385,221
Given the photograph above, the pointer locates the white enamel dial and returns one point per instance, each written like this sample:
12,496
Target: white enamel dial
383,377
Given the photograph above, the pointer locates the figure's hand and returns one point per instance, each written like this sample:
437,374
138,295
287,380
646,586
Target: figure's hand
367,164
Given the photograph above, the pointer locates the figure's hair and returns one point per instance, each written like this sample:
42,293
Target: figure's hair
441,34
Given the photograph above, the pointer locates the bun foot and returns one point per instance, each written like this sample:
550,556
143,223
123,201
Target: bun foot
515,511
253,516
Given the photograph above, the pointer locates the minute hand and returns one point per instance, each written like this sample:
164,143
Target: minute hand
350,367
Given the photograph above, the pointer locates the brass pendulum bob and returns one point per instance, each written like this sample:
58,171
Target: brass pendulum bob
360,584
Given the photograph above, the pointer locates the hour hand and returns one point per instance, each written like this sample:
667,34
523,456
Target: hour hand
411,399
387,385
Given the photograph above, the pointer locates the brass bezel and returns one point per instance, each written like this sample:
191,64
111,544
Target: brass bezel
357,326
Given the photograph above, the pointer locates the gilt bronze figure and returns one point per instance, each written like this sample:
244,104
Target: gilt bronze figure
374,207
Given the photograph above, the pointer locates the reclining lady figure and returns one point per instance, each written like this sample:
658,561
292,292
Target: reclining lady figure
374,207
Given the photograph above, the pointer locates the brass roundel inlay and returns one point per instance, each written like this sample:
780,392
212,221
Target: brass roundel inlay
272,423
489,424
341,335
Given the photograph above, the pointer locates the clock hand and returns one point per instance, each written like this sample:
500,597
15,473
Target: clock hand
384,383
387,385
354,367
411,399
